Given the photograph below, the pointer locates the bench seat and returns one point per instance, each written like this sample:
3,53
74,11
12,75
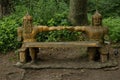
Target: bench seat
62,44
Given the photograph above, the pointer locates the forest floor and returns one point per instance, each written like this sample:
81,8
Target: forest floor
10,72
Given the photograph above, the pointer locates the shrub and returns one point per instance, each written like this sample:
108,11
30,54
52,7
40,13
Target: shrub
8,35
106,7
44,11
63,35
114,28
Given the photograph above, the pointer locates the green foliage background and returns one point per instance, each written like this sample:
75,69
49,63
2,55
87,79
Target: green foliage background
107,7
54,13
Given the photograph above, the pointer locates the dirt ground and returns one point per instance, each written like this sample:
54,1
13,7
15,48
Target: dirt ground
9,72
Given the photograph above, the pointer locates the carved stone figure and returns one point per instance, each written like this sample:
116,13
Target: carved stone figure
96,32
27,33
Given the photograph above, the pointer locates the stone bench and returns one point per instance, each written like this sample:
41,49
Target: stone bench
27,34
37,45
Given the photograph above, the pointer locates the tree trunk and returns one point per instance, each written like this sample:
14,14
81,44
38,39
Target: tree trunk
78,12
5,7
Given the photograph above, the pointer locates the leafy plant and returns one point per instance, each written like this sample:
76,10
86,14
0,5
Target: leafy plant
8,34
114,28
106,7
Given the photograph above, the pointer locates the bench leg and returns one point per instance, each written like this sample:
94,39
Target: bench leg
22,56
91,52
32,54
103,54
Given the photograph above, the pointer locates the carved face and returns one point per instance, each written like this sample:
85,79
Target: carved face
97,21
27,25
27,22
